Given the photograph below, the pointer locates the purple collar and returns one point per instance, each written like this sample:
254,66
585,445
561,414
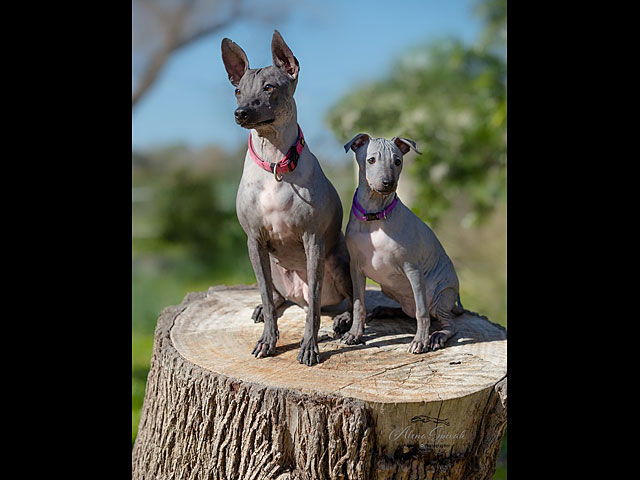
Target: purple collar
360,213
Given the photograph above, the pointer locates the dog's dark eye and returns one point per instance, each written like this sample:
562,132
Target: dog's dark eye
371,160
269,88
237,91
398,162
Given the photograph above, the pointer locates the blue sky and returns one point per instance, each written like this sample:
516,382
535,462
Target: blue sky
339,44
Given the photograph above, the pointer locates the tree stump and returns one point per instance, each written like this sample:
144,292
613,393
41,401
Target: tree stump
369,412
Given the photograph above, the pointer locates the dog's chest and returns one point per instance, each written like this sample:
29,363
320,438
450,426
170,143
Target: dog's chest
275,207
378,254
381,258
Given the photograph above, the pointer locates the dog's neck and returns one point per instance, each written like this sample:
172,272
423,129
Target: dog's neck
371,200
272,142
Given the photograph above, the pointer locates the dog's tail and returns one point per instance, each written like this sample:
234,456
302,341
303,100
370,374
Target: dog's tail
459,310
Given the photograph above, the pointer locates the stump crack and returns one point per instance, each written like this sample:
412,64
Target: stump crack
385,370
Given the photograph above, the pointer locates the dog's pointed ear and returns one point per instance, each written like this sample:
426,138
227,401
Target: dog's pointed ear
283,58
235,61
404,144
356,142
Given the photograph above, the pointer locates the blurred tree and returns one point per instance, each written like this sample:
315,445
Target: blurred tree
162,27
191,216
450,99
494,35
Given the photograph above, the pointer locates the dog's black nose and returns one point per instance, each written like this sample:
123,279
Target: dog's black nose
241,114
386,183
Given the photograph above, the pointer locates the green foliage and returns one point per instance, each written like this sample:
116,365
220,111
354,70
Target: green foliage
494,35
190,215
451,100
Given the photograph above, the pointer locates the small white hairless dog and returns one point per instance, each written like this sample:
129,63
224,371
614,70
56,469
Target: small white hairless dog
388,243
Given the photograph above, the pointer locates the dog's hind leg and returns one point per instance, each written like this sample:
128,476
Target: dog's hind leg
444,312
278,302
343,321
339,269
279,293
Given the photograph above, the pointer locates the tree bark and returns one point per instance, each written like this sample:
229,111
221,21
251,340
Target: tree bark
372,411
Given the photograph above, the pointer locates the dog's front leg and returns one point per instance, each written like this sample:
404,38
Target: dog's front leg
314,249
354,335
420,342
259,256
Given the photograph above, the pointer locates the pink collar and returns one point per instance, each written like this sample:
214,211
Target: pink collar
361,214
287,164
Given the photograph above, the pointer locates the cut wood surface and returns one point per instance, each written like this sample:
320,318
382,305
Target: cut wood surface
371,411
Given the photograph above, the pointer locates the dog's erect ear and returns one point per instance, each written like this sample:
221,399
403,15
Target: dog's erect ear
283,58
404,144
235,61
356,142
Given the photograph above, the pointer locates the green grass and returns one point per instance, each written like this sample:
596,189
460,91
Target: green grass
141,347
501,467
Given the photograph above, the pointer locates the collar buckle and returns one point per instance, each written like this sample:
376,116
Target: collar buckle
275,173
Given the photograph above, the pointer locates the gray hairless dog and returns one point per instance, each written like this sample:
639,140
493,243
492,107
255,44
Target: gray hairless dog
289,210
388,243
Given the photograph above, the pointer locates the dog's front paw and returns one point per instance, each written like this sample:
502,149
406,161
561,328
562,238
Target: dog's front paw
309,353
257,315
352,338
342,323
266,346
418,345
